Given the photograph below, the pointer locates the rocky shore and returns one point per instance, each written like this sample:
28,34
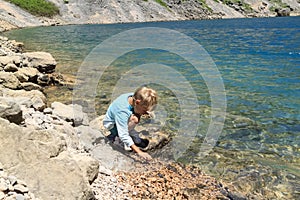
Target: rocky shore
115,11
43,155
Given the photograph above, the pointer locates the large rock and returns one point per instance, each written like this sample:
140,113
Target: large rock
89,136
10,110
40,159
10,68
9,80
43,61
28,86
283,12
37,99
113,156
12,59
27,74
71,113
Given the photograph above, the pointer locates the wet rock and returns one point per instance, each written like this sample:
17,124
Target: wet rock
43,79
43,61
27,74
28,86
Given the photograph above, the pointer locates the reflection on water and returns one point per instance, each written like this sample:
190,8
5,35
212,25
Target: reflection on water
259,59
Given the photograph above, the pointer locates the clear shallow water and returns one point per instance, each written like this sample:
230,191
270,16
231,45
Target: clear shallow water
259,60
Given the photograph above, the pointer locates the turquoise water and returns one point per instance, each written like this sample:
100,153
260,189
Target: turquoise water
259,60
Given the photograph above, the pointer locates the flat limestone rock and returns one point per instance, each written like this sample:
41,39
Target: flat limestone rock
41,159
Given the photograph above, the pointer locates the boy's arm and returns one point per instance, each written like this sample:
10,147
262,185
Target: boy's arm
122,127
140,153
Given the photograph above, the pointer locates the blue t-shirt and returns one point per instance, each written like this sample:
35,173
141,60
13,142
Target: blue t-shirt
119,113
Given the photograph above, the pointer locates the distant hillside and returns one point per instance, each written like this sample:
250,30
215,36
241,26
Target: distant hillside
120,11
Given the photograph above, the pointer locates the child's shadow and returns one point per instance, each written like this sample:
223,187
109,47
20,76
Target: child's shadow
130,154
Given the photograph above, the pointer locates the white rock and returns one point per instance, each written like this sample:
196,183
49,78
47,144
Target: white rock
20,188
3,185
2,195
104,170
20,197
48,111
12,179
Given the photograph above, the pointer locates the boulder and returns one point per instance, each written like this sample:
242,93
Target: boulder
113,156
89,136
9,80
43,61
10,68
31,86
16,46
37,98
27,74
67,131
13,59
40,158
43,79
283,12
4,60
88,165
97,124
2,52
10,110
71,113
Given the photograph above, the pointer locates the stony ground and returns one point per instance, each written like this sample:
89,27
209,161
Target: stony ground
160,180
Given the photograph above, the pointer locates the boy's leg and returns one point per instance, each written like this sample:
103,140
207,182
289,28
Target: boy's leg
133,121
113,134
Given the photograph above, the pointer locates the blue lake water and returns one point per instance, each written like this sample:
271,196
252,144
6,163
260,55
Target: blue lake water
259,61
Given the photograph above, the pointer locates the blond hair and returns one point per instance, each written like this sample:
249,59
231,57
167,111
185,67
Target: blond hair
147,96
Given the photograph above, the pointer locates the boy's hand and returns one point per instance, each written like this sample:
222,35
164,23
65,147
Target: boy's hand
142,154
145,155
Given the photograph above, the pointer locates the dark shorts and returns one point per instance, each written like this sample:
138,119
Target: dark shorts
143,143
113,133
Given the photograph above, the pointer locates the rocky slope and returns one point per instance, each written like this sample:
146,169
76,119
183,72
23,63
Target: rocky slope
56,152
116,11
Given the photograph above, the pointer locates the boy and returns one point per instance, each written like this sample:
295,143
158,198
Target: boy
125,112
